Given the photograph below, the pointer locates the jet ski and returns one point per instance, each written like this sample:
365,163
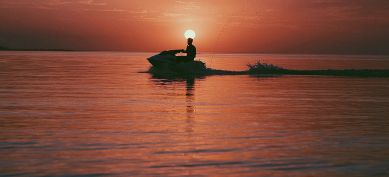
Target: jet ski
166,61
164,58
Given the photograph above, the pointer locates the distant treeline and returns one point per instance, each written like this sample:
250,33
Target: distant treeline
2,48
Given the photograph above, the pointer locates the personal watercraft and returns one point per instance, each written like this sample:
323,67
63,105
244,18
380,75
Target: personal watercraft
167,61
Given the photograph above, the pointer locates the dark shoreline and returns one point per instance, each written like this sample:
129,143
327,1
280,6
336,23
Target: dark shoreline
42,50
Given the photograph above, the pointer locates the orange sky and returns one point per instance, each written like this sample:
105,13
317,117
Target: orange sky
263,26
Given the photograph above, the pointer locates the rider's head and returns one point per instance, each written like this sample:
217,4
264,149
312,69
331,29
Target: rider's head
190,41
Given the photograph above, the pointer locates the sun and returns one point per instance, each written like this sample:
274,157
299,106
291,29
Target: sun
189,34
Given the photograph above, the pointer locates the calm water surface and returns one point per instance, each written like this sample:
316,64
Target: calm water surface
99,114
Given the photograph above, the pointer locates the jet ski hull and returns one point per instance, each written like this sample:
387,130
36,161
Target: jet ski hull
167,63
161,60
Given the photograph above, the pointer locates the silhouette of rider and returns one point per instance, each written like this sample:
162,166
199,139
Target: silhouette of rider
190,52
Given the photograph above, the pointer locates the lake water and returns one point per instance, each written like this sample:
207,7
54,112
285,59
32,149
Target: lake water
100,114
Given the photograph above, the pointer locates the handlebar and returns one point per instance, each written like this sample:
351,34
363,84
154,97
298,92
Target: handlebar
171,52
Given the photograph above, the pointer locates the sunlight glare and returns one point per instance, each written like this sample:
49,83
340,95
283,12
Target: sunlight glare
189,34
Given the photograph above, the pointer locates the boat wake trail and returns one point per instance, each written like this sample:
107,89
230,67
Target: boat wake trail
262,69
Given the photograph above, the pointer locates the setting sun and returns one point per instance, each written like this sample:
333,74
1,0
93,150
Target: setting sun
189,34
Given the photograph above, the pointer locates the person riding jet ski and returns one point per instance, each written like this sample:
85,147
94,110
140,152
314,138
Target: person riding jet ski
190,52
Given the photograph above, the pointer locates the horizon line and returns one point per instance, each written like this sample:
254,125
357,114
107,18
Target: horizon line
205,52
3,48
